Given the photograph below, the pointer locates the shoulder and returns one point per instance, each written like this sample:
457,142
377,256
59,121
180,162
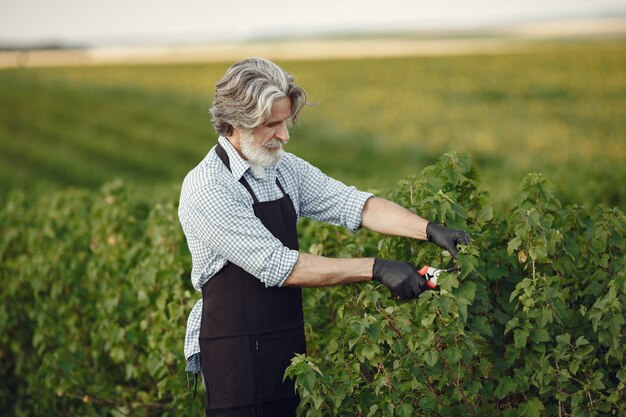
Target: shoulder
291,164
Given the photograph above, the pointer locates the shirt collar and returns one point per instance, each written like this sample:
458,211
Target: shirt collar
238,165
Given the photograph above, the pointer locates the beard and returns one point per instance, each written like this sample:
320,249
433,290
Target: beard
265,155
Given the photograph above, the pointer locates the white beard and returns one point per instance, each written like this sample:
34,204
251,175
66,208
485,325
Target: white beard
261,155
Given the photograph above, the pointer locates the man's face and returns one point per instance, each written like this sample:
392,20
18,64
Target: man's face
264,146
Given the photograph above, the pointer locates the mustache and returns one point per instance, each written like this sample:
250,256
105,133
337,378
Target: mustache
274,143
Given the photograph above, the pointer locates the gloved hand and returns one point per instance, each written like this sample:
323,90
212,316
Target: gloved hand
446,238
400,277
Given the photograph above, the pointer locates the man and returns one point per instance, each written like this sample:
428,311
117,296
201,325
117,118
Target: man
239,208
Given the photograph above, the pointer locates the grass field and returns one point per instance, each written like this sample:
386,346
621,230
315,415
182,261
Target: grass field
559,109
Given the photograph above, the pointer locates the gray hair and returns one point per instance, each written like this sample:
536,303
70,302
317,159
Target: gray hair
244,96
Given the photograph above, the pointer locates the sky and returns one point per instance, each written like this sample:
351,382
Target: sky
144,21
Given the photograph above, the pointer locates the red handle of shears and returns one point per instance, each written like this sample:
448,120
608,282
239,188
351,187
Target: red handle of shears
423,272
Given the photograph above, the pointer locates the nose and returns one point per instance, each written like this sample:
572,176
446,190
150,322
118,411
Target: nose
282,133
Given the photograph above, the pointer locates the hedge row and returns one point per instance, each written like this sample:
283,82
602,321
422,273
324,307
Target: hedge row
95,295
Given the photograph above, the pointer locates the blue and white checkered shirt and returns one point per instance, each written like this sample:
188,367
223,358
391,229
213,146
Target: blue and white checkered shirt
216,214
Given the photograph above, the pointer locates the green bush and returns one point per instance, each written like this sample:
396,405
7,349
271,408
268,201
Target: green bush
95,295
93,305
533,325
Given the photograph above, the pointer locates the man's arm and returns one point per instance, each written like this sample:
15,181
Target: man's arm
320,271
400,278
379,215
384,216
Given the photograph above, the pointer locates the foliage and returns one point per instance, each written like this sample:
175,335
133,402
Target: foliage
533,325
93,306
95,293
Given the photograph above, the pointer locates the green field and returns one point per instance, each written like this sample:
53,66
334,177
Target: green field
559,109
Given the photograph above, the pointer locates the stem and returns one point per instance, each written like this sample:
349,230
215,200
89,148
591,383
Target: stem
331,313
457,384
590,399
389,321
381,366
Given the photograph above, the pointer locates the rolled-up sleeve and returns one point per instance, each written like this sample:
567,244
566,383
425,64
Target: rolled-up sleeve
225,222
325,199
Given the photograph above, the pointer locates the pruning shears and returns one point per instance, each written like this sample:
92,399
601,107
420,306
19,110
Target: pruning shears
431,274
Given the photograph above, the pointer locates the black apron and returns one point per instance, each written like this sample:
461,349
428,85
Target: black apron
249,333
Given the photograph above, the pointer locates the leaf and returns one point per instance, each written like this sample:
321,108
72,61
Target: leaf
564,339
332,346
531,408
581,341
545,317
485,367
467,291
453,354
307,380
506,386
481,325
520,336
428,404
404,410
522,257
431,357
373,410
513,245
540,335
538,253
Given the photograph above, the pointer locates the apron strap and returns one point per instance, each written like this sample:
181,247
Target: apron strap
224,157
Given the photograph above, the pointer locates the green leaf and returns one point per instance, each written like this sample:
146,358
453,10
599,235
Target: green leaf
531,408
332,346
453,354
307,380
481,325
545,317
520,336
467,291
538,253
448,282
404,410
564,339
506,386
513,245
373,410
581,341
428,404
485,367
540,335
431,357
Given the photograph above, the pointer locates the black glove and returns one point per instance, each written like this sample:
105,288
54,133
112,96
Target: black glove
400,277
446,238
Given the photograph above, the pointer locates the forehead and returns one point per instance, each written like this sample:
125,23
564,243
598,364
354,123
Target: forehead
281,109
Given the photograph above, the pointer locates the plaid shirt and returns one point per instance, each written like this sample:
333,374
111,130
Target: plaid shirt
216,214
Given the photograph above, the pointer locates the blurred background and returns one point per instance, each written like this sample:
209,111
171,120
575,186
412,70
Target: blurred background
93,91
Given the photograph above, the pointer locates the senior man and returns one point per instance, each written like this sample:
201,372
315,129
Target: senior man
239,210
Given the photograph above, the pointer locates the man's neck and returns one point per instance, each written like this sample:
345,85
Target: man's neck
258,170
